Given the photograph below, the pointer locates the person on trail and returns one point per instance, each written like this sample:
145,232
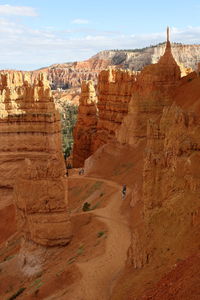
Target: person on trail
124,191
67,172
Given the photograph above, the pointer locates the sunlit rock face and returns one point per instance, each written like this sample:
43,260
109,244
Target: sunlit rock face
41,201
29,124
99,117
114,94
31,160
152,92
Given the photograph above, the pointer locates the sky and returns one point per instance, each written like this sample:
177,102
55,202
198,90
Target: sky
38,33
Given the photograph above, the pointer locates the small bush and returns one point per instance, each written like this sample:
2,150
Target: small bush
19,292
86,206
100,234
80,250
71,260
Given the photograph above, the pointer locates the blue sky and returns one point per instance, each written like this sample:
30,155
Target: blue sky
38,33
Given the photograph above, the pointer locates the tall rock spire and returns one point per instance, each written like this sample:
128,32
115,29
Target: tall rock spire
167,33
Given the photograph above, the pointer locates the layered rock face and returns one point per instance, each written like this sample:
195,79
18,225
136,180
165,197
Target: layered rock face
115,89
30,129
68,75
152,92
98,126
168,231
29,123
86,125
41,201
126,100
170,191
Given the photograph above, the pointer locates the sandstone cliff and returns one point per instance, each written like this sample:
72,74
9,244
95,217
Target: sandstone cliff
86,125
69,75
41,201
30,129
97,127
144,95
160,165
152,92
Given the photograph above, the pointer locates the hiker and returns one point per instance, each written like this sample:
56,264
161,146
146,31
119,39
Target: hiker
81,171
67,172
124,191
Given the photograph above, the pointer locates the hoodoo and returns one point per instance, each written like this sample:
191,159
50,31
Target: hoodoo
152,92
100,117
86,125
30,131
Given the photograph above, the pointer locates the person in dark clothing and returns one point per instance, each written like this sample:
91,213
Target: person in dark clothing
124,191
67,172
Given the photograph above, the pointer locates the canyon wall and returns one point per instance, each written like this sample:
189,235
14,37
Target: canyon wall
41,201
30,125
152,92
86,125
30,129
114,90
160,126
69,75
114,93
126,100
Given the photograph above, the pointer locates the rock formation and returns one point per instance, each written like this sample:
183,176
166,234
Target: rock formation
114,93
97,127
162,130
69,75
41,200
86,124
30,129
30,125
152,92
148,93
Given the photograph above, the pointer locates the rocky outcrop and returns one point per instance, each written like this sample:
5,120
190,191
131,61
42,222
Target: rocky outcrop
29,123
30,129
86,125
170,190
41,201
153,91
168,231
126,100
98,126
69,75
115,89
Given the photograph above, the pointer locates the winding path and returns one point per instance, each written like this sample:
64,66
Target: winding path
100,273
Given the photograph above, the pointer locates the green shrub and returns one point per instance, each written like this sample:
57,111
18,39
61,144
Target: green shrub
100,234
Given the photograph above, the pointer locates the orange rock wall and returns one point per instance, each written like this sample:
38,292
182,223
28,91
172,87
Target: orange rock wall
86,124
30,130
41,201
29,123
152,92
114,90
114,93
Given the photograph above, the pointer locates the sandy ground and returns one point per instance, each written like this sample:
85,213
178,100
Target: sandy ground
100,273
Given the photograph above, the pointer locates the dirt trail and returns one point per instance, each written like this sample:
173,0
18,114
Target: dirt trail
100,273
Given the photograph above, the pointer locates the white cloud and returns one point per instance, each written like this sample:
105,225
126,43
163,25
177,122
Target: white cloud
18,10
80,21
24,48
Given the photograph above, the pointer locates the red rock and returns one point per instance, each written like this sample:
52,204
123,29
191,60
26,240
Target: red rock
85,128
30,129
